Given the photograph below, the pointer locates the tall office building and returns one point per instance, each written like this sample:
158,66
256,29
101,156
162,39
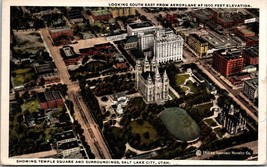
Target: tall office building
165,44
168,46
145,33
228,62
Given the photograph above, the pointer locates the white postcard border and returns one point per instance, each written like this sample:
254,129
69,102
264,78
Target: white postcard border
5,74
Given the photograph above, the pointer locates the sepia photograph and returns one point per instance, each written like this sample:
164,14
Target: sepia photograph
133,83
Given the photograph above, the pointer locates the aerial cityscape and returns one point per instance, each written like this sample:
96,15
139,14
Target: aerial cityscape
134,83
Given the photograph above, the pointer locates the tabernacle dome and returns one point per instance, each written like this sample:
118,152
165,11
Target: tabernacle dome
180,124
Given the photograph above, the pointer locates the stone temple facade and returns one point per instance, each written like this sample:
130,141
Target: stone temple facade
232,119
152,85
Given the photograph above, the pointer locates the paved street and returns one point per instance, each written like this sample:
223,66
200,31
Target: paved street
42,154
55,53
92,127
81,110
149,16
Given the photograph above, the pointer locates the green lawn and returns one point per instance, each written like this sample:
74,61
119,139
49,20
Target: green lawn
22,70
31,105
190,84
20,79
180,79
211,122
184,89
219,132
141,129
205,107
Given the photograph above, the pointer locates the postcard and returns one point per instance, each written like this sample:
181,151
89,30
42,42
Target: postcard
133,83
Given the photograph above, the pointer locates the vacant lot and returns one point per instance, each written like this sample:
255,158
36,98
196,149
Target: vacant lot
28,41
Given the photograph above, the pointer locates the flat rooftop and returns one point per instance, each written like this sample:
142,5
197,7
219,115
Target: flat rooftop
74,14
68,52
68,145
199,76
141,25
100,12
44,68
252,83
230,54
131,39
57,29
198,38
252,51
64,135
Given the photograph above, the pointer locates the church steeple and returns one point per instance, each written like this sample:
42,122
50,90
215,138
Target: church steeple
149,79
153,64
138,66
146,64
165,76
157,75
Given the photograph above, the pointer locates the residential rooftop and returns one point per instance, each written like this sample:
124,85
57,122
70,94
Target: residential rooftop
57,95
141,25
49,96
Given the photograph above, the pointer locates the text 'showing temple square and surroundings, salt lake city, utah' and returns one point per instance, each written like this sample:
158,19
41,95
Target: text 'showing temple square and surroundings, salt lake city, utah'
133,83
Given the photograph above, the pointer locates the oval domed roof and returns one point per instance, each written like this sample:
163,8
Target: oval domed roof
180,124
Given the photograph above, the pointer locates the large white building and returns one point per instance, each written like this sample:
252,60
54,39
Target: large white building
165,44
153,86
140,27
168,46
145,33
